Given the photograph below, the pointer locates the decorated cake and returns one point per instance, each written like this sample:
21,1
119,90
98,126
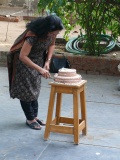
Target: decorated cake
67,76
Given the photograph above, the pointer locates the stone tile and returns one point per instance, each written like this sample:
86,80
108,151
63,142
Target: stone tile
19,142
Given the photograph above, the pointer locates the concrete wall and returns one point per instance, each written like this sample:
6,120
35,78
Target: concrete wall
85,64
4,2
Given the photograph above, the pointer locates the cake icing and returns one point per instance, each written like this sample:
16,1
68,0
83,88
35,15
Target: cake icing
67,76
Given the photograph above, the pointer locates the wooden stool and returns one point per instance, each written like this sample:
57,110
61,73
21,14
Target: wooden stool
53,125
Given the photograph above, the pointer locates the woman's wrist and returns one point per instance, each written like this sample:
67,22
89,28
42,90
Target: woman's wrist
48,59
39,69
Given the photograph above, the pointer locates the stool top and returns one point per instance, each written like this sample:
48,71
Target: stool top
77,85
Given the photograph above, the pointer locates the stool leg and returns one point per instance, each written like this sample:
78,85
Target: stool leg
58,107
50,113
76,117
83,110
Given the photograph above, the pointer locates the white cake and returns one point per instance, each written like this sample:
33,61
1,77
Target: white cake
67,76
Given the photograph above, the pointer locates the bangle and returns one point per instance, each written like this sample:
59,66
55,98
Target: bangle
49,59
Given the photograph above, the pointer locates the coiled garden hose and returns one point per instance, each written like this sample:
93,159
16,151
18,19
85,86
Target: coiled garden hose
72,45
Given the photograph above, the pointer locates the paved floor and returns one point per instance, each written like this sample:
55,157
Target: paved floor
18,142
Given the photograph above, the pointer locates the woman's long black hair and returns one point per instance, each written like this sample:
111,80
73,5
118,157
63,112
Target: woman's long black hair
42,25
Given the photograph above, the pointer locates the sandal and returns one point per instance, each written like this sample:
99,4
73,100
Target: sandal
34,125
40,122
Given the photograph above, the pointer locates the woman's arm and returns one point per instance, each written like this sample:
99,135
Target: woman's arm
50,52
49,56
25,59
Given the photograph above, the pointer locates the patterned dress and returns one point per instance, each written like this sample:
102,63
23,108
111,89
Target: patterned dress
27,81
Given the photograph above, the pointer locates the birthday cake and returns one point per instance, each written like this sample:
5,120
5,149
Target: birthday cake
67,76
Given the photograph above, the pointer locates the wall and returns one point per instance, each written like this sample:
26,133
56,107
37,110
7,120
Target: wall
3,2
87,64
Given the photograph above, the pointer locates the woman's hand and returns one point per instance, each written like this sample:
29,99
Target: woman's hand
47,65
45,73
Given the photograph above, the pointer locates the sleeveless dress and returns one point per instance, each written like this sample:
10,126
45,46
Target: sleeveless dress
27,81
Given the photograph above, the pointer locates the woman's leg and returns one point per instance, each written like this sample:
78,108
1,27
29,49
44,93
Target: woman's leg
28,110
35,107
29,113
